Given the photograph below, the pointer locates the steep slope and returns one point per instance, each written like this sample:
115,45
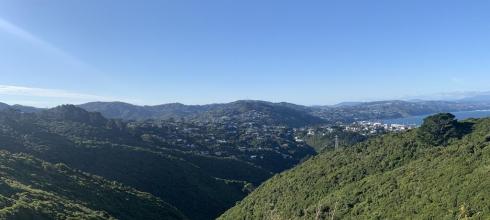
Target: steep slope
392,177
33,189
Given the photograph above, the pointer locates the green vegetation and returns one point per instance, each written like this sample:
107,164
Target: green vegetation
34,189
396,176
439,129
83,141
199,186
326,141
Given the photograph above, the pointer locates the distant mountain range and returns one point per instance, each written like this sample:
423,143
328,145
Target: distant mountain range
240,111
278,113
283,113
393,109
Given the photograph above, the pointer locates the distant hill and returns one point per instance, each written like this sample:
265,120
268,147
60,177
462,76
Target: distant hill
343,104
34,189
134,112
396,176
392,109
21,108
477,98
241,111
260,112
26,109
121,110
283,113
74,114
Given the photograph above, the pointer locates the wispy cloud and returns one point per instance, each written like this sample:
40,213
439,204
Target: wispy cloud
21,33
25,35
44,97
15,30
49,93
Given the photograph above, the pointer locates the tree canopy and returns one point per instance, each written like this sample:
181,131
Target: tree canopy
439,129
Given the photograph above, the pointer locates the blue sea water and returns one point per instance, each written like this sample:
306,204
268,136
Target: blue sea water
417,120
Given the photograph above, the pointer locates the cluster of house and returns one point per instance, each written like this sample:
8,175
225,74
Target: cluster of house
368,127
227,138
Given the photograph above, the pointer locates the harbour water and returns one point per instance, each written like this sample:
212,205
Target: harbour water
417,120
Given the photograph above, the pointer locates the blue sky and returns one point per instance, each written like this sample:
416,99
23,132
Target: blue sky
197,52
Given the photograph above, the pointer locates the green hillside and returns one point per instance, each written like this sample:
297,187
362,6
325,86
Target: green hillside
33,189
200,187
397,176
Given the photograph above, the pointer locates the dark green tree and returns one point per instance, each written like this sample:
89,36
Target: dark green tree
438,129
